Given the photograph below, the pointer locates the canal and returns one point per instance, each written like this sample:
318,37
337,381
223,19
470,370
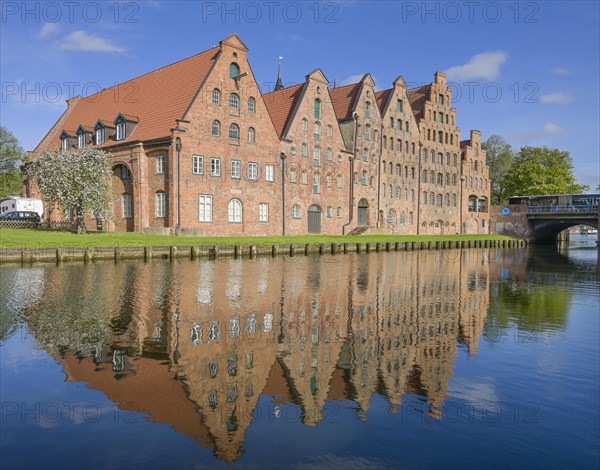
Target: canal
425,359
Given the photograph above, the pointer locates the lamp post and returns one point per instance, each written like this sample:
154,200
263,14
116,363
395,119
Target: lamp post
178,150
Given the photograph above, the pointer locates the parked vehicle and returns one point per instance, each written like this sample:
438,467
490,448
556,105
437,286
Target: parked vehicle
21,216
16,203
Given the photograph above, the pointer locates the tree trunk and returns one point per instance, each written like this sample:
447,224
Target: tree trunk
80,221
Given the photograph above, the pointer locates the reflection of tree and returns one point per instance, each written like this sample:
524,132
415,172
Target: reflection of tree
8,324
530,307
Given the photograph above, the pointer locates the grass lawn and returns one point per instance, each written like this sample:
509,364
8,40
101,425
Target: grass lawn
29,238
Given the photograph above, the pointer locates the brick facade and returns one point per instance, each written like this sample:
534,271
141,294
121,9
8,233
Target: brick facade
205,152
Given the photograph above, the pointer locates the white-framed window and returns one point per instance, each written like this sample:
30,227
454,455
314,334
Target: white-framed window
253,171
215,167
234,101
125,173
216,96
296,211
160,164
81,141
391,217
263,212
338,212
197,164
216,128
269,173
317,133
329,212
235,211
317,156
234,132
397,192
251,104
236,169
304,150
100,136
251,135
161,204
65,144
121,131
204,208
316,183
365,156
126,205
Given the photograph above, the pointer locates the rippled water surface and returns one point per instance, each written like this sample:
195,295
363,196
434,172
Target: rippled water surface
381,360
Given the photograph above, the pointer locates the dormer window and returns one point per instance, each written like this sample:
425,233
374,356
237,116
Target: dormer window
121,131
100,136
65,144
81,140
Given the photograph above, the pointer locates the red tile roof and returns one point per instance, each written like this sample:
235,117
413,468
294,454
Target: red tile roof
417,98
280,105
155,100
383,97
343,99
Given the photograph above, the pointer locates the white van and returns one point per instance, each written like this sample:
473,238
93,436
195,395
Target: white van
16,203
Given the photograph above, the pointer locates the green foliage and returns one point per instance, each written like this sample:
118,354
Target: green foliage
80,180
11,156
499,157
540,170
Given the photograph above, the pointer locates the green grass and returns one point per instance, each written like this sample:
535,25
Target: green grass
28,238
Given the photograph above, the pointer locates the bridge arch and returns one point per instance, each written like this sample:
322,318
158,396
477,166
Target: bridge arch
546,231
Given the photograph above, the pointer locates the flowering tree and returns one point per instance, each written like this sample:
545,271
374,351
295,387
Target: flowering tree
80,180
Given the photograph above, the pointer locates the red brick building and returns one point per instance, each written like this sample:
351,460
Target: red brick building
198,149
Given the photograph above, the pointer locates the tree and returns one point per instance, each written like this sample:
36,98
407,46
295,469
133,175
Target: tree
79,180
11,156
499,158
540,170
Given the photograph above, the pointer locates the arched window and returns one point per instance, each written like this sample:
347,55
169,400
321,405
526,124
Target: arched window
304,177
329,155
317,131
410,218
296,212
439,200
251,135
440,137
447,199
234,132
424,197
476,165
234,70
339,181
329,212
363,178
375,135
216,96
454,180
317,183
447,180
161,204
368,109
304,125
398,169
454,200
432,199
412,172
216,128
440,159
440,179
412,195
432,155
304,150
234,101
397,192
328,181
412,150
431,177
330,131
405,194
383,188
424,178
235,211
372,182
317,108
391,217
399,145
385,142
251,105
367,132
292,175
401,220
399,124
317,156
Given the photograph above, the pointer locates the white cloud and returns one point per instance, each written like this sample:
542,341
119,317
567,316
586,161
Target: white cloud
352,79
82,41
549,129
48,29
485,65
560,71
556,98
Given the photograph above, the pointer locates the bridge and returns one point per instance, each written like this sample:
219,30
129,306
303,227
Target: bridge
542,218
546,222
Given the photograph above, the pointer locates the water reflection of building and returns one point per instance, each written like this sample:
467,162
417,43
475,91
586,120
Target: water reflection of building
305,330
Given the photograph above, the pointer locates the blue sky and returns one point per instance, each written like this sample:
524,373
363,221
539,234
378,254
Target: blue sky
528,71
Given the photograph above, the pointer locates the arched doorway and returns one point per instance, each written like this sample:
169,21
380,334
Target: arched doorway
363,212
314,219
